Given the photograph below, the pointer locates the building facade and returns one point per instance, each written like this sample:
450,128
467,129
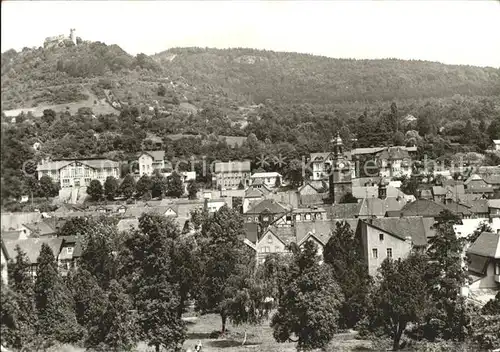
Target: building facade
78,173
340,174
270,179
150,161
229,175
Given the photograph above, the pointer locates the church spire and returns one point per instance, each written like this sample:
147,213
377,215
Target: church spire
338,146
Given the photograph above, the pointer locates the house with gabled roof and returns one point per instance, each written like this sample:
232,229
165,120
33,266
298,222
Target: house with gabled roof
432,209
274,240
392,238
484,261
32,247
151,160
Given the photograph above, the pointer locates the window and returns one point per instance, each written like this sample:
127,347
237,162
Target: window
375,253
270,239
69,250
389,252
497,269
297,217
308,216
265,218
277,249
381,236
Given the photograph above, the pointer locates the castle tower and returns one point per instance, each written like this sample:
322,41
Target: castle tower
340,172
72,35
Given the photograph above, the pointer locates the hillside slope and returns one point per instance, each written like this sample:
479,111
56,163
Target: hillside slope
302,78
228,78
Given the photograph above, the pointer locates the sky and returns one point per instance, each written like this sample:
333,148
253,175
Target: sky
452,32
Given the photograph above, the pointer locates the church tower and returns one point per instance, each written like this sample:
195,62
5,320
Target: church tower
340,172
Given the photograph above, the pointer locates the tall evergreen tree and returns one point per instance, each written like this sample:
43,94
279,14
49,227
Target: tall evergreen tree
95,190
8,317
158,185
56,317
118,322
447,275
143,186
90,305
344,254
21,284
309,306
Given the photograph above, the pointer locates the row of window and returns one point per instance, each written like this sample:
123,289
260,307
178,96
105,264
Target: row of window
375,253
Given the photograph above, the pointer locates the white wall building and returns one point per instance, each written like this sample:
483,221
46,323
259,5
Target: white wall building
78,173
267,178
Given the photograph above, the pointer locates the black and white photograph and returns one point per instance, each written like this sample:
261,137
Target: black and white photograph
250,176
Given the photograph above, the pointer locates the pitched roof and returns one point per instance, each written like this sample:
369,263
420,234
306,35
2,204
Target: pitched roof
343,211
265,174
45,227
393,153
486,245
268,205
157,155
412,226
494,203
479,206
251,231
32,247
430,208
253,193
321,229
379,207
10,235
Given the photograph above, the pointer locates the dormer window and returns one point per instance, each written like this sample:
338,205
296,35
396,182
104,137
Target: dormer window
381,236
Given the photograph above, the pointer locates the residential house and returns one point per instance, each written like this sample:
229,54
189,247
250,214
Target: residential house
392,238
230,175
78,172
394,162
445,194
311,213
343,211
310,194
253,195
484,261
321,165
31,247
494,208
269,212
486,183
71,250
270,179
149,161
46,228
274,240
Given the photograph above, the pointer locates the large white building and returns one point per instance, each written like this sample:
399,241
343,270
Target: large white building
78,172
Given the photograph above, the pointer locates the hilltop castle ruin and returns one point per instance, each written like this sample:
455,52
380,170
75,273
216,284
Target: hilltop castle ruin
60,40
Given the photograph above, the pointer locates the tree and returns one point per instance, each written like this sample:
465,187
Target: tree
344,253
75,226
47,187
398,138
175,186
56,317
149,261
492,307
127,187
48,116
22,292
348,198
95,190
90,305
494,129
158,185
162,91
192,190
483,227
100,244
446,277
294,173
110,187
143,185
277,184
118,321
309,306
223,250
400,297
